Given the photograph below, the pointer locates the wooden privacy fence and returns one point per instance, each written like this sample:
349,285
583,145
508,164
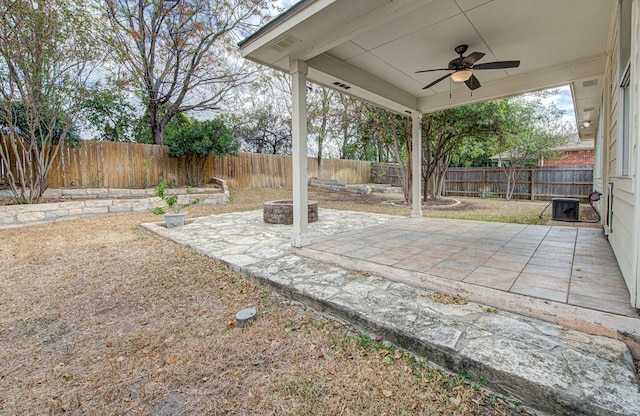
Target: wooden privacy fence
98,164
532,183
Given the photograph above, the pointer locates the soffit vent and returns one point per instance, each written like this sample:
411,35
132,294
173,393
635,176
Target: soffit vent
589,109
341,85
590,83
285,43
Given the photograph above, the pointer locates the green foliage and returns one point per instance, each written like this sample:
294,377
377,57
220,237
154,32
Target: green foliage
110,114
531,130
380,132
171,200
474,153
195,140
461,136
47,128
190,137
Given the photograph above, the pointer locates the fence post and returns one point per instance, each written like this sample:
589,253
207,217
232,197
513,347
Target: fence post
533,184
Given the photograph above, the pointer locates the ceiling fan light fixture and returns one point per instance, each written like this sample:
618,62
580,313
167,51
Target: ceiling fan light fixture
461,75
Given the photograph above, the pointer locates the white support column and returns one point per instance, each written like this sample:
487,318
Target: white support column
300,236
416,163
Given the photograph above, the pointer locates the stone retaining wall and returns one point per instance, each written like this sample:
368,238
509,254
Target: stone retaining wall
363,189
103,202
114,193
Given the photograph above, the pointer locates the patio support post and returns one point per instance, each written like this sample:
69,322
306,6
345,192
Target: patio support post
416,163
298,70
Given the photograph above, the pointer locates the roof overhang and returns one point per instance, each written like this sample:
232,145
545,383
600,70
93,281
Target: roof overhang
371,49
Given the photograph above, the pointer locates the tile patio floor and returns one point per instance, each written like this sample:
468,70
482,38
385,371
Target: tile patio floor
570,265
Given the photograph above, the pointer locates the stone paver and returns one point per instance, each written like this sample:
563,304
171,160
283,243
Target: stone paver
532,260
545,365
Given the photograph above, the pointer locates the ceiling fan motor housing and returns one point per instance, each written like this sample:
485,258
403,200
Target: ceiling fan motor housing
461,49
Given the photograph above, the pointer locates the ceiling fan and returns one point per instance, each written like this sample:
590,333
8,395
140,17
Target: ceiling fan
464,66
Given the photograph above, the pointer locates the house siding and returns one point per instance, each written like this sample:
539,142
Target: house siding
623,235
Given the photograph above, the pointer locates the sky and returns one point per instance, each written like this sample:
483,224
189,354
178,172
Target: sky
564,101
285,4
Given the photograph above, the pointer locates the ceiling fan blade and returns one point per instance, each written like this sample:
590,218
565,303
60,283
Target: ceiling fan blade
472,58
473,83
432,70
435,82
498,65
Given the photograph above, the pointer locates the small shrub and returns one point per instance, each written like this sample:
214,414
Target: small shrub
171,200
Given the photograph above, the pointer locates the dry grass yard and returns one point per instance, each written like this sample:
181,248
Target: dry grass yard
102,317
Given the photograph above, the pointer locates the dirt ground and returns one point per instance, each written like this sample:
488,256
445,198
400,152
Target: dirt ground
102,317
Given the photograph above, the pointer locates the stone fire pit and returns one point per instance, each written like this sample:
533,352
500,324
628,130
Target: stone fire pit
281,211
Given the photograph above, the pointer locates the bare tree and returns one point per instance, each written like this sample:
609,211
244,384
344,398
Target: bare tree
350,114
47,54
261,115
180,55
322,109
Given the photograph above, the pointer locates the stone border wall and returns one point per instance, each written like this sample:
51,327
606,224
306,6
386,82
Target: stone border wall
281,211
363,189
102,202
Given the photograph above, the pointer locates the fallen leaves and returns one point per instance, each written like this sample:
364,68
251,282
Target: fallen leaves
355,273
446,298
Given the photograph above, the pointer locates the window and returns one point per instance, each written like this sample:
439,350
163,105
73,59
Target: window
624,35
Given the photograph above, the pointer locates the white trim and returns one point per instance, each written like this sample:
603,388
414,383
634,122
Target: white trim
416,163
624,116
300,236
634,147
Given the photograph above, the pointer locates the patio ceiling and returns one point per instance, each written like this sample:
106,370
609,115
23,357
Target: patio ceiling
371,49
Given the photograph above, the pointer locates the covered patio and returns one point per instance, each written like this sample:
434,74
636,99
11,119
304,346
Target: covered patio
407,56
377,50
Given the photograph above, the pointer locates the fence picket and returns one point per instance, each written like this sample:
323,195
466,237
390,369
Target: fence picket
132,165
97,164
533,183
